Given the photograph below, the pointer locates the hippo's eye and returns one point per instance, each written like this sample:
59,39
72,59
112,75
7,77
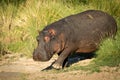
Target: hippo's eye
46,39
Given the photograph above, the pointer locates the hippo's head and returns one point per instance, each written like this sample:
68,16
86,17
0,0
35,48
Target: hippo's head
48,44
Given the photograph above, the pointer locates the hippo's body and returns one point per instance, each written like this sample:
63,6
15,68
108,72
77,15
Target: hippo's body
82,33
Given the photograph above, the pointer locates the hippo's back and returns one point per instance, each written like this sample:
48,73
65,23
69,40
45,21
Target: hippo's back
90,27
93,24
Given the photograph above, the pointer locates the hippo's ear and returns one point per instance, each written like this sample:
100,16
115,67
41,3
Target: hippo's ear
52,32
50,35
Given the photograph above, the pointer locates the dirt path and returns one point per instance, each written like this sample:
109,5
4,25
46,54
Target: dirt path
22,68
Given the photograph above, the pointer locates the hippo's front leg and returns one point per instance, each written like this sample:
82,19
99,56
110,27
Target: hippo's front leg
59,62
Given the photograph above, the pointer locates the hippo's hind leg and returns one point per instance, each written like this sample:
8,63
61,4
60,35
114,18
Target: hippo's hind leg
61,59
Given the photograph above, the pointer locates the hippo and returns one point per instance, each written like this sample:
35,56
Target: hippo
78,33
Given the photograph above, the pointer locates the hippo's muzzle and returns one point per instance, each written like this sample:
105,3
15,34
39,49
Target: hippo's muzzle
40,56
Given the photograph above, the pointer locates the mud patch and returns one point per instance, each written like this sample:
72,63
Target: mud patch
12,76
24,68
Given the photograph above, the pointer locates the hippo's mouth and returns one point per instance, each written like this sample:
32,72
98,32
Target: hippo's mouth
37,56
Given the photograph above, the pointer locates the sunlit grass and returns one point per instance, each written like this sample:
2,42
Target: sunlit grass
109,53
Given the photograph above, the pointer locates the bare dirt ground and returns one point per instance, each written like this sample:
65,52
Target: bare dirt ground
22,68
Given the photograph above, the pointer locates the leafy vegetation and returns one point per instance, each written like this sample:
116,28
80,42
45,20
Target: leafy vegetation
21,19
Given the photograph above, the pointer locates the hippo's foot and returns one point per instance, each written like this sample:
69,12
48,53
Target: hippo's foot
57,66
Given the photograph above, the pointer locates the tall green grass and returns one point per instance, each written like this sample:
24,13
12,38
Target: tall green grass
19,24
20,21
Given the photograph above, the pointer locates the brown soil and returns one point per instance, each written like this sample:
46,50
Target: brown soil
22,68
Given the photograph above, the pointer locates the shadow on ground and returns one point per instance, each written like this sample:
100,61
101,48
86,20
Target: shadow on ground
74,58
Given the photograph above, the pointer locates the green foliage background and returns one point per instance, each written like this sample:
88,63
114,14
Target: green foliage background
20,21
